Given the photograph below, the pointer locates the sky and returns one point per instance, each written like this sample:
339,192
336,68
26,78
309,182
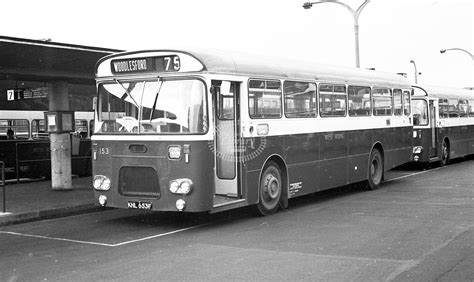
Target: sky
391,32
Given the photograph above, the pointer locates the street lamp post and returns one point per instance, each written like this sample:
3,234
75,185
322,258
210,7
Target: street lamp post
355,15
442,51
416,71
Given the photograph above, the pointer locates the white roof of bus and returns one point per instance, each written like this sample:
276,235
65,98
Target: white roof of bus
447,92
217,61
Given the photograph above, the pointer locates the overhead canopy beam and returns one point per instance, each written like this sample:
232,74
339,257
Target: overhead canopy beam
36,60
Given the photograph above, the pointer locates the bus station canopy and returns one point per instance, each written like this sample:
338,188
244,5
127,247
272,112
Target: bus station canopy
39,60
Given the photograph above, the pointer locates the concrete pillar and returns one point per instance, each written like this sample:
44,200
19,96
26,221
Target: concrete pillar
61,178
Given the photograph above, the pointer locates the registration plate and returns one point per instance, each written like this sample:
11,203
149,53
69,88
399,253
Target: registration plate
139,205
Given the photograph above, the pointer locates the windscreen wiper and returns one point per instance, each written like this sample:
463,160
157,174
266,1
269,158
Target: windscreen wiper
126,92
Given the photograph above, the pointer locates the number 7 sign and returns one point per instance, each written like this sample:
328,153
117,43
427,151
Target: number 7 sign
10,95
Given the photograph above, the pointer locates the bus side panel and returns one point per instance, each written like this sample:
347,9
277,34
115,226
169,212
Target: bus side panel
460,142
334,151
359,150
255,160
8,156
151,170
385,138
34,158
395,154
452,134
470,136
302,156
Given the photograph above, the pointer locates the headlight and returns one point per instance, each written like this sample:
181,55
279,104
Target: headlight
174,186
180,204
174,152
103,200
185,187
181,186
415,133
101,182
417,149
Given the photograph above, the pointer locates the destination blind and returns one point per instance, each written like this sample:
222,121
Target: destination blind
148,64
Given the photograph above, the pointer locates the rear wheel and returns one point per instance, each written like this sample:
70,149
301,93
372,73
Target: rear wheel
270,188
444,153
375,173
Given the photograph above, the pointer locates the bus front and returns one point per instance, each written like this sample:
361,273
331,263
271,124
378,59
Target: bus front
150,147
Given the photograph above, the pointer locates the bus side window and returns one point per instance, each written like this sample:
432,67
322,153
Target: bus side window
471,108
264,98
406,102
14,129
463,108
443,108
382,101
332,100
38,129
300,99
397,102
453,109
359,100
81,127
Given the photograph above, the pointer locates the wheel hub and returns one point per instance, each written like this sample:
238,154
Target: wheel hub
272,186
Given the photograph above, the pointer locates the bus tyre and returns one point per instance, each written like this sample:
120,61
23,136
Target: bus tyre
269,190
444,153
375,170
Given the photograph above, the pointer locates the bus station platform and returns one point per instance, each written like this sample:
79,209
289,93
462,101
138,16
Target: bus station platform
35,200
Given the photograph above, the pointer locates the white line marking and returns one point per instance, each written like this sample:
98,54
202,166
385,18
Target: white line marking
101,244
156,236
57,239
412,174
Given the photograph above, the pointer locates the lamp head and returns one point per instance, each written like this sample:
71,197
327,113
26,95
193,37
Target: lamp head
442,51
307,5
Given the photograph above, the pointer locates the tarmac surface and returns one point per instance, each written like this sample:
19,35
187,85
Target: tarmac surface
35,199
418,227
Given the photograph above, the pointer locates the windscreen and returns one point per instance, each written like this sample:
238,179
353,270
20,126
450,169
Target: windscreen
152,107
420,112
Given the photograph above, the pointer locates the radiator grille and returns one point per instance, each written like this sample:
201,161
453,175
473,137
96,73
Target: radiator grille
139,182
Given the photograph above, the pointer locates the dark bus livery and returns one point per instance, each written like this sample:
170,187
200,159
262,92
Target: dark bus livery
443,126
25,145
207,131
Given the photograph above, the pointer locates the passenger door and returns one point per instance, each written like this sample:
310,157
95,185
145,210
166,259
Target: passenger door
434,132
226,97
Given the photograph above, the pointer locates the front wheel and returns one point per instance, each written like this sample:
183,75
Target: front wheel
269,190
375,173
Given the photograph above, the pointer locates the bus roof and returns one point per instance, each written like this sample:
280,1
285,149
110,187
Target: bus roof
223,62
446,92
